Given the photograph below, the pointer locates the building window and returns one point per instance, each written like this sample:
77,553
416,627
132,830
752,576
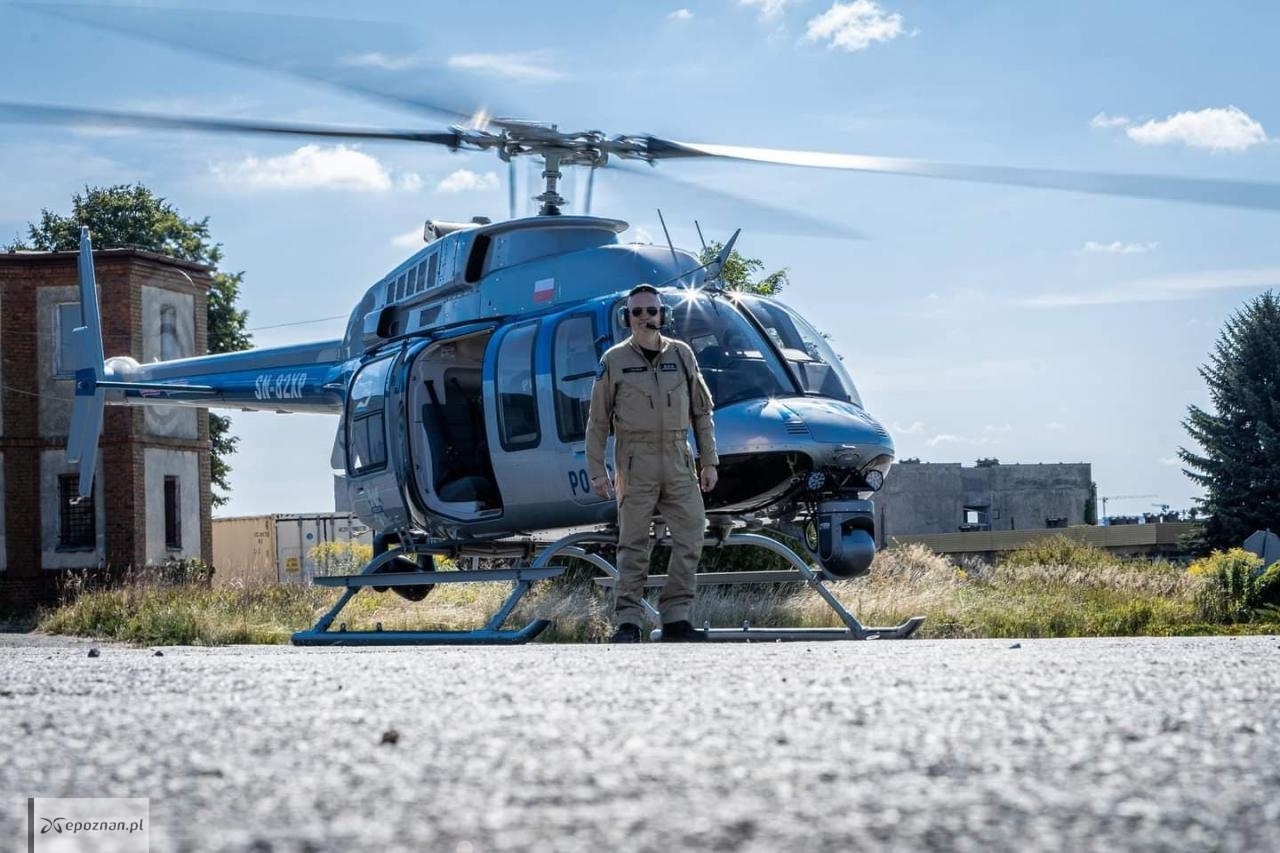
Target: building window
77,524
517,403
172,514
169,348
976,518
68,317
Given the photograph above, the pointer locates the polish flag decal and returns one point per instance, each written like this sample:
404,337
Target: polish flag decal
544,290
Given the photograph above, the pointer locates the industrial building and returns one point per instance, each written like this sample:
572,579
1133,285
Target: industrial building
153,467
930,497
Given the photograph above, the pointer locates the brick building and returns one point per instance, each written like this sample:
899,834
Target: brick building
151,498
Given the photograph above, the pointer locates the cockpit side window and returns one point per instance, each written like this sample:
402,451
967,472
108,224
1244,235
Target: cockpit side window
517,403
811,359
573,361
736,362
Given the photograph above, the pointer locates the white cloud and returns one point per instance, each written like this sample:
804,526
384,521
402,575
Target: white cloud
409,182
916,428
409,239
642,235
998,428
1117,248
1056,426
1229,129
1167,288
385,61
1102,120
945,438
533,66
769,10
465,180
680,15
1171,461
854,26
310,167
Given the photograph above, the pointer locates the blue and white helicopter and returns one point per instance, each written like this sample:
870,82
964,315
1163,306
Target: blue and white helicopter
462,382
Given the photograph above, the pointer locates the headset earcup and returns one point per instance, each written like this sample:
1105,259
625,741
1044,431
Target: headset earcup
623,320
664,316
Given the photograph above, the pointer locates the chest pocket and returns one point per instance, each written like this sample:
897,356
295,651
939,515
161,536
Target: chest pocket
635,388
673,385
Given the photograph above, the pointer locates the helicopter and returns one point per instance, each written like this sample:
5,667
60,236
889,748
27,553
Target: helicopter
462,381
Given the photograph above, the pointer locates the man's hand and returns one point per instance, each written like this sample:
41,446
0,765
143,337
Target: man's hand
602,486
709,477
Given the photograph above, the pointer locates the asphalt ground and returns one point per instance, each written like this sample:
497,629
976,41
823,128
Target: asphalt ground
1134,744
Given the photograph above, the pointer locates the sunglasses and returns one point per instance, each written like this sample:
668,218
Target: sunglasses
651,310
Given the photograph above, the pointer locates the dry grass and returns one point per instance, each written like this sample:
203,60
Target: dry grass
1088,597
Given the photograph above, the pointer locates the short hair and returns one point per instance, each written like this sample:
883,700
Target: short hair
643,288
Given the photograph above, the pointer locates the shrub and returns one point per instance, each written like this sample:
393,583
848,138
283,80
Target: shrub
1230,585
1058,551
340,558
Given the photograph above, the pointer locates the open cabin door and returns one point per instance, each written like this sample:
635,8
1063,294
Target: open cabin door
449,447
366,431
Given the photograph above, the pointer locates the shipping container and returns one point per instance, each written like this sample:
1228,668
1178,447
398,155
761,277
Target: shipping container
280,548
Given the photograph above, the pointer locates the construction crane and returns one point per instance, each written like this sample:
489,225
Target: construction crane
1120,498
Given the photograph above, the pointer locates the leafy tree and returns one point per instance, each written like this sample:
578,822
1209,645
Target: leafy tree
738,271
132,216
1239,466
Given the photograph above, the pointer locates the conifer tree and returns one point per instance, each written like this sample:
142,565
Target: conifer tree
1239,460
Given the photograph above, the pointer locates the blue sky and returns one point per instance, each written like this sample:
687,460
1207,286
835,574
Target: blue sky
978,321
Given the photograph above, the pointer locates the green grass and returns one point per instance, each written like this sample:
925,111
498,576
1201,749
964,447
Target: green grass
1081,594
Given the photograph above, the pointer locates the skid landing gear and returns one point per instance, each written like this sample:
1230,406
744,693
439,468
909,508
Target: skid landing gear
523,576
372,575
803,572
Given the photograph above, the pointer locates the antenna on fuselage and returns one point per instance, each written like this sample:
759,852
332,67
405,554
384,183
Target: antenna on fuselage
675,261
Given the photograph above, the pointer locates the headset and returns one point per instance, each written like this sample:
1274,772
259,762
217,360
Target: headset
624,316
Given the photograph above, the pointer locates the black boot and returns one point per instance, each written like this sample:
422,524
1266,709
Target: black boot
682,632
627,633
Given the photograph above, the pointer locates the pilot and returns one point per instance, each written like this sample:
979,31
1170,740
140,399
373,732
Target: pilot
648,390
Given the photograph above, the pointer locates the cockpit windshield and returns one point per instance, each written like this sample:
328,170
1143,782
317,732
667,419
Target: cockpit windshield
736,362
816,366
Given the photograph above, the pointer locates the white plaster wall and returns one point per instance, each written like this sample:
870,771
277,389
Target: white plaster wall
174,421
159,463
55,394
53,463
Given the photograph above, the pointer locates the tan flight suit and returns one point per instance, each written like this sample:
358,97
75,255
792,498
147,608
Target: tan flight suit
649,409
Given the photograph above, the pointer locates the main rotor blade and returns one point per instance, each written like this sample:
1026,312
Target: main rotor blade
356,56
11,113
1251,194
731,210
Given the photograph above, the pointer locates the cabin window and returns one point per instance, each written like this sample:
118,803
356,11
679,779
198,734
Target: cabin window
517,403
574,362
77,521
366,433
433,264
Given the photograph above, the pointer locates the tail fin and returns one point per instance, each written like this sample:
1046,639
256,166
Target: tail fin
90,371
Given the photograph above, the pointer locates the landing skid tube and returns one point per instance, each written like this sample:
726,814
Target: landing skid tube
490,635
852,630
